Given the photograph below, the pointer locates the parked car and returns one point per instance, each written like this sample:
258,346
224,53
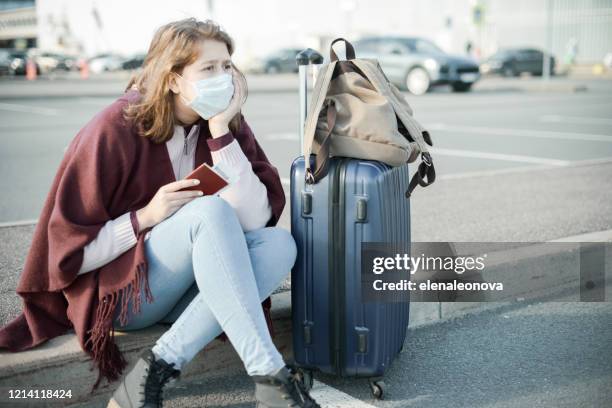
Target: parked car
279,61
105,62
515,61
51,61
417,64
607,60
18,60
134,62
63,62
5,63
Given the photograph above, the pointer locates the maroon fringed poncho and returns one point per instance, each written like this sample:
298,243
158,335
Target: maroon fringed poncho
107,170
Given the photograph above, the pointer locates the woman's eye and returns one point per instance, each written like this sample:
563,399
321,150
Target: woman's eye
208,68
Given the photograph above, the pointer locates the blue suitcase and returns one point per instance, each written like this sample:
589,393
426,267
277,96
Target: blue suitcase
357,201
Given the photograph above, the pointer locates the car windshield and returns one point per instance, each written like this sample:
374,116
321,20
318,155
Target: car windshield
501,54
422,46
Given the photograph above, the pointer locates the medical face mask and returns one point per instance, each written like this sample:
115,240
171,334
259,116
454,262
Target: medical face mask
213,95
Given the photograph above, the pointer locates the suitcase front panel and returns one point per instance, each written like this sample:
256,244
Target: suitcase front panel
375,211
333,330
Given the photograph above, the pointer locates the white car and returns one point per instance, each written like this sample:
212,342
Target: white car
103,63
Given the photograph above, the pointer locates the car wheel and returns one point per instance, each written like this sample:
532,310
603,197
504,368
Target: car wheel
509,71
272,69
417,81
461,86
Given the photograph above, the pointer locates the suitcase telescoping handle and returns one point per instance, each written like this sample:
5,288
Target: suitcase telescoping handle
304,59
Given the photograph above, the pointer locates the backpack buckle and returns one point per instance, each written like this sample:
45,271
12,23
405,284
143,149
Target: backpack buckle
426,157
309,177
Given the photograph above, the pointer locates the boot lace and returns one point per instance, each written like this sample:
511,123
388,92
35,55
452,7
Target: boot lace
158,374
298,391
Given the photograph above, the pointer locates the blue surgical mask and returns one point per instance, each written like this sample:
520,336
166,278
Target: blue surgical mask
213,95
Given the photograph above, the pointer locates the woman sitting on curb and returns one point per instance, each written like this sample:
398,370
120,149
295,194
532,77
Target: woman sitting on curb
116,227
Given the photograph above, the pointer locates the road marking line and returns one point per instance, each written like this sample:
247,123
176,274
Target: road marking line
545,134
498,156
521,169
575,119
329,397
470,174
101,101
29,109
18,223
513,101
282,136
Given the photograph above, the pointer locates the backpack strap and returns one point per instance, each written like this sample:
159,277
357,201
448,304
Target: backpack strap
350,51
319,94
425,170
322,156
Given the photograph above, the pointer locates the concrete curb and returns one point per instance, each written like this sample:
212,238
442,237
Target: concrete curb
60,364
539,271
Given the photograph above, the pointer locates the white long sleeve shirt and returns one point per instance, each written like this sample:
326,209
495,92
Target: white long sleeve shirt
248,196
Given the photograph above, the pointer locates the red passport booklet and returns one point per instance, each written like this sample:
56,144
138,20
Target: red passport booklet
211,181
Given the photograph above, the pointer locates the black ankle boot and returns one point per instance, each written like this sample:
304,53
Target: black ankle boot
143,385
285,389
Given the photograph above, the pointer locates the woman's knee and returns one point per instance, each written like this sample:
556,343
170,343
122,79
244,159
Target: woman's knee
210,208
209,204
283,245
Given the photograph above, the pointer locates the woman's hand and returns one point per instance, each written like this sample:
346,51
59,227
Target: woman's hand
218,124
166,202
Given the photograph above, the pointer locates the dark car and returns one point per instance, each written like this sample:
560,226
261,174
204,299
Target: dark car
18,60
515,61
51,61
64,62
5,63
282,60
134,62
417,64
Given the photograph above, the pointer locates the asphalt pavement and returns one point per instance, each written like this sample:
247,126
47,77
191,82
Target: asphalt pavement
479,132
536,354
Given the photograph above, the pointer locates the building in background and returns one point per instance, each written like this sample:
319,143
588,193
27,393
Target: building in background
582,28
18,25
579,27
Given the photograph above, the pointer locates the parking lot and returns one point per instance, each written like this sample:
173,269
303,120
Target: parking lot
515,162
491,132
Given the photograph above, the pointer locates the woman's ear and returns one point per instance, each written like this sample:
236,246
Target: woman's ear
173,83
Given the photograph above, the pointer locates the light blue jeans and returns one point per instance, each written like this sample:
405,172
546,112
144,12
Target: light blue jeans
207,276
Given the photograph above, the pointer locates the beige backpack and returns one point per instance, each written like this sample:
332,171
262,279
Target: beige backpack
356,112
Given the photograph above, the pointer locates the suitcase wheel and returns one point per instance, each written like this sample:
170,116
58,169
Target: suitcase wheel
306,378
377,387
